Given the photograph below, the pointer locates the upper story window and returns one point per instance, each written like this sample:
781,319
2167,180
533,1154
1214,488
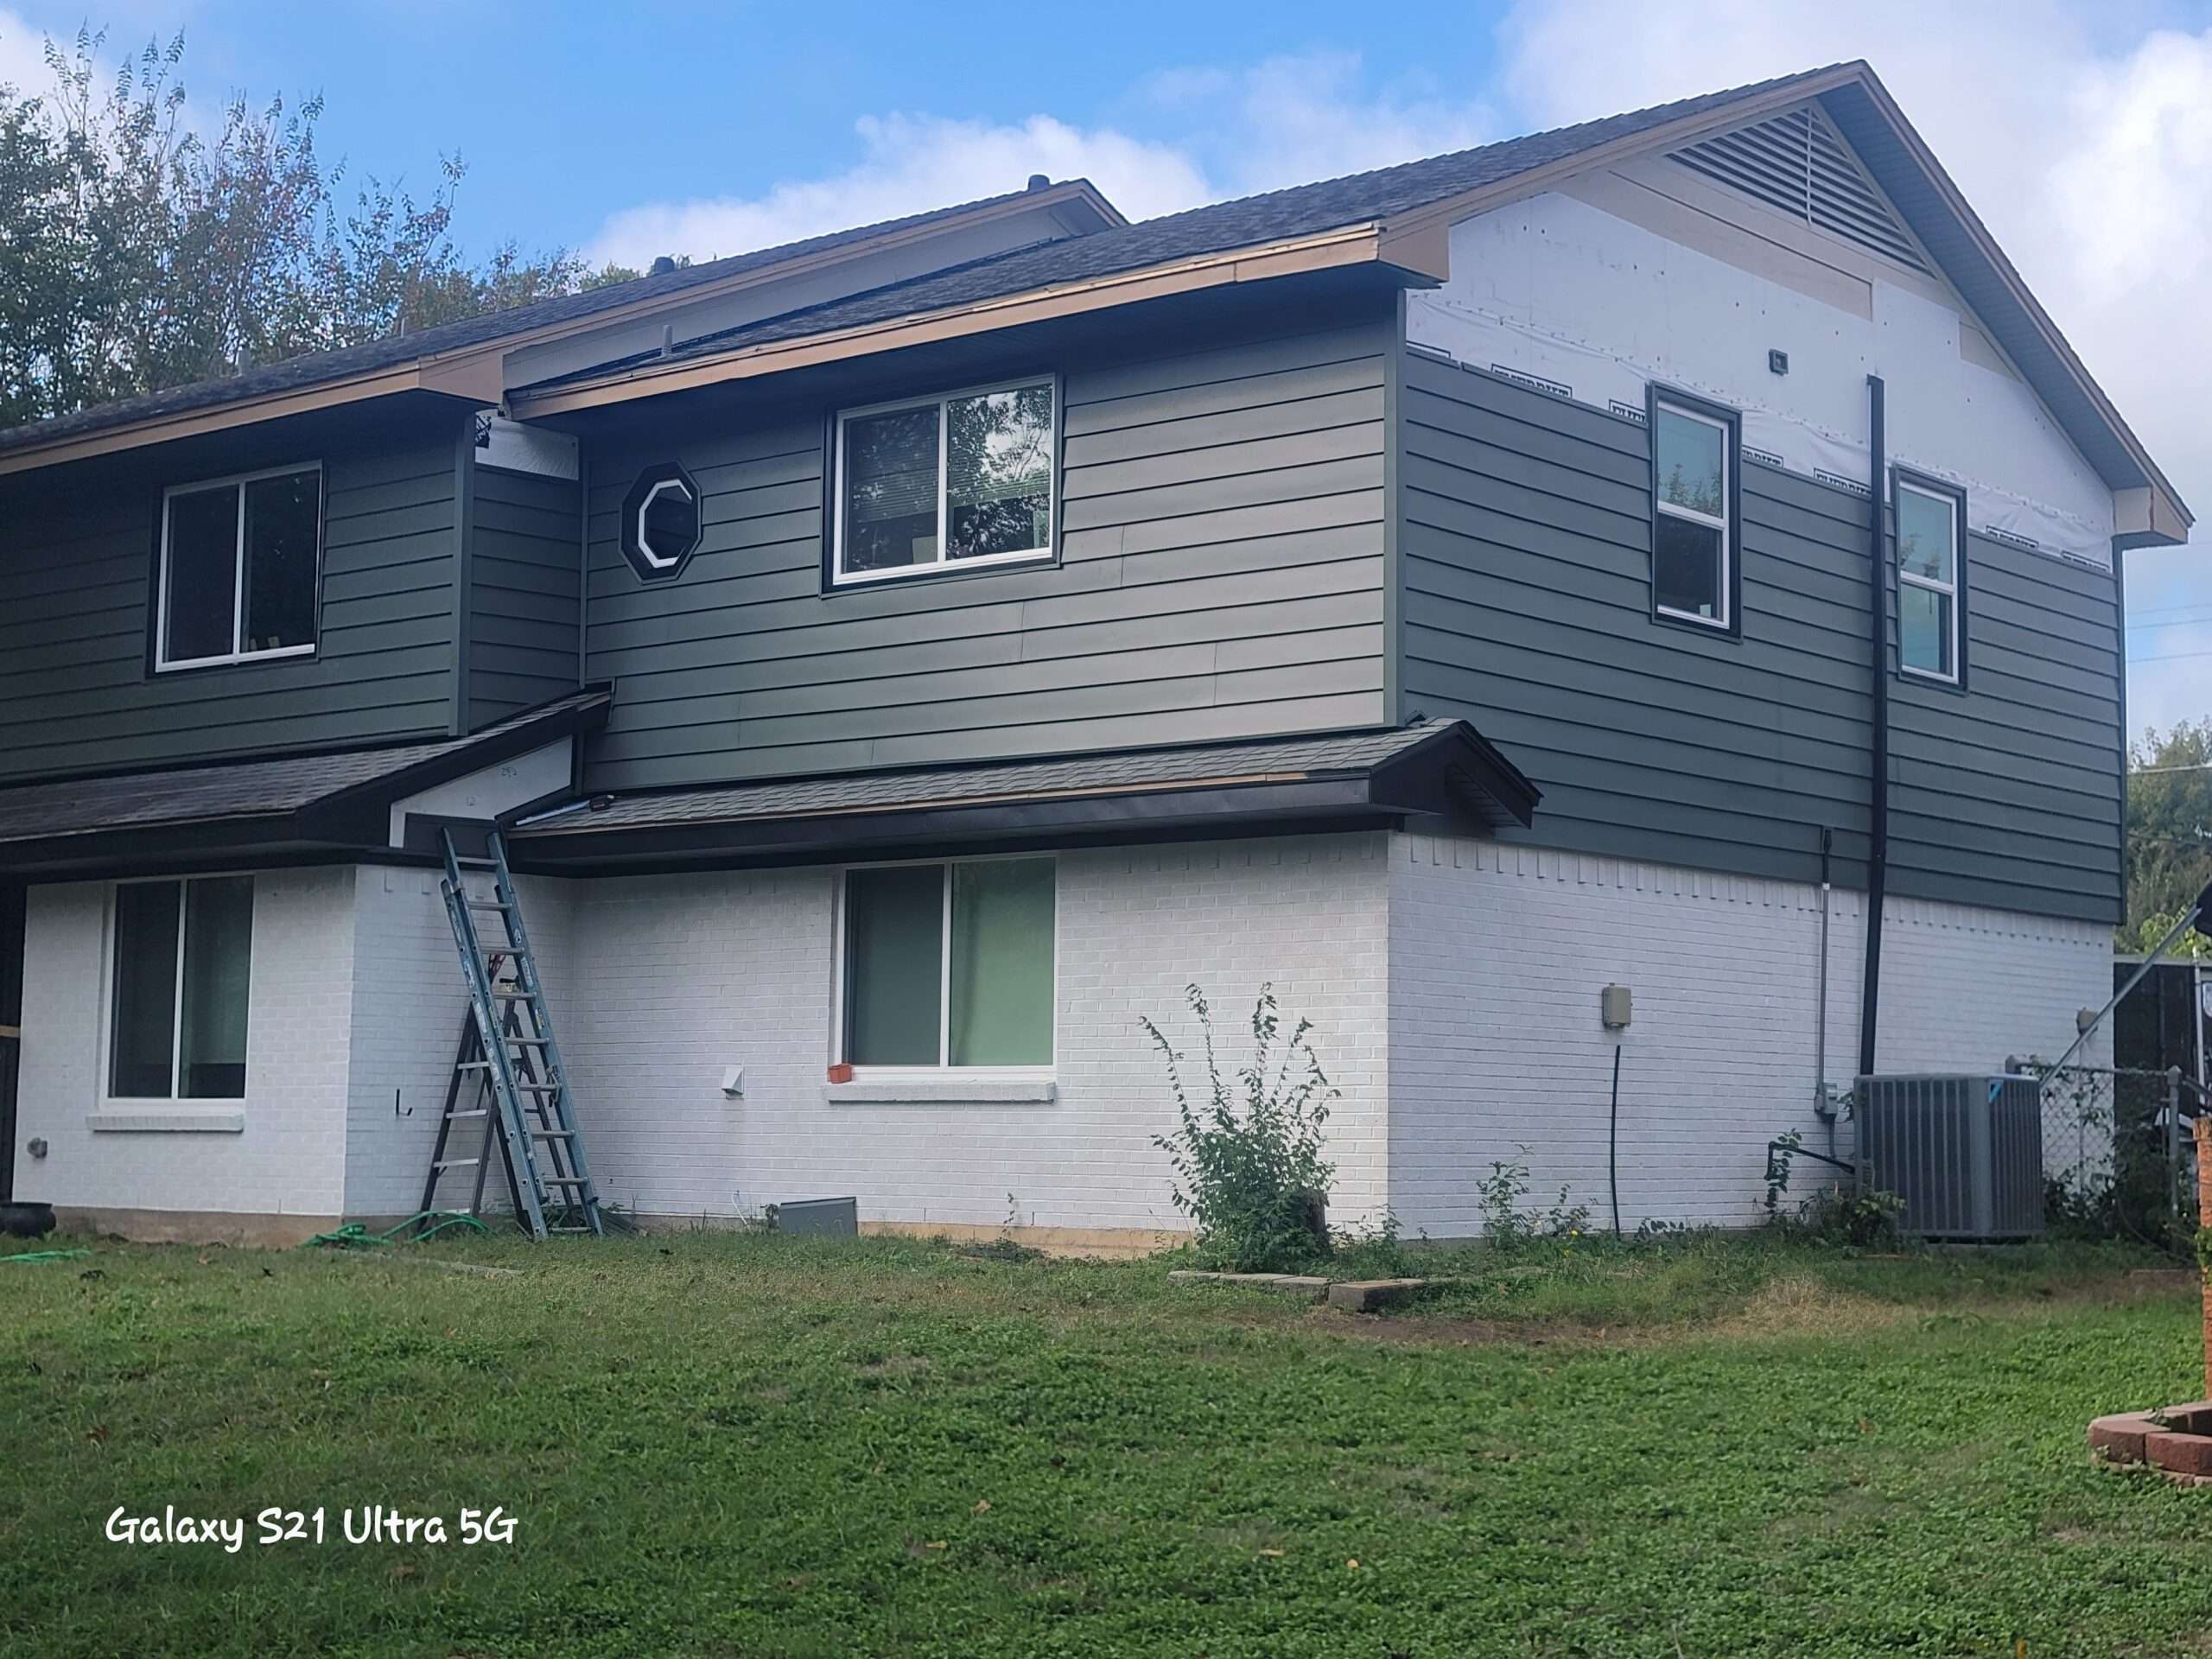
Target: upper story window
949,964
1930,542
1692,522
239,562
182,955
951,482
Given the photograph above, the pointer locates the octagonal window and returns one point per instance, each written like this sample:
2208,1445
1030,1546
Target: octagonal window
660,522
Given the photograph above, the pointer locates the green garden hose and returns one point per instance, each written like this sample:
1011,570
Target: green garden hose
44,1255
355,1236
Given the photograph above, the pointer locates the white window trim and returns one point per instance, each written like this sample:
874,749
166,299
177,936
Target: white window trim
928,1079
1951,506
218,1109
237,483
840,577
1724,618
660,562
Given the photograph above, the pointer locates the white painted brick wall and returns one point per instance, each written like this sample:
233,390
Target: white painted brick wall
409,998
290,1157
1497,955
665,981
1461,977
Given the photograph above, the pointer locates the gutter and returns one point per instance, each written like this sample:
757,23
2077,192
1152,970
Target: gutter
1877,636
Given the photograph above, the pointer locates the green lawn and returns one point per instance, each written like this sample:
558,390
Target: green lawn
744,1446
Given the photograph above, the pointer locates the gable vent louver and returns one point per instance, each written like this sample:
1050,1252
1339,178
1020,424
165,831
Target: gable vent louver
1795,164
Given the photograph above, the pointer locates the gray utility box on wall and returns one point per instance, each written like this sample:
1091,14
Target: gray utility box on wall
1965,1154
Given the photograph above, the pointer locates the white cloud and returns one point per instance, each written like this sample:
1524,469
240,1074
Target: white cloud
909,163
1291,120
22,56
1234,131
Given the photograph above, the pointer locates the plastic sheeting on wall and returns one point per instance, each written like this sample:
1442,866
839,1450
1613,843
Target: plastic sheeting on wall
1556,293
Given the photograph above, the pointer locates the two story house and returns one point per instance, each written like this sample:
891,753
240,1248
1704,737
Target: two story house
1674,552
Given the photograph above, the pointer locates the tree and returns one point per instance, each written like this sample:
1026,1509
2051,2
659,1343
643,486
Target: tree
2169,834
138,253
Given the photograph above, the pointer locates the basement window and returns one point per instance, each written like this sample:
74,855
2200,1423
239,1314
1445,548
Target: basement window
1931,533
955,482
183,960
240,559
1693,450
949,965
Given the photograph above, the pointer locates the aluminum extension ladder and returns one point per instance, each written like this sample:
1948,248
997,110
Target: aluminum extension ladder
508,1070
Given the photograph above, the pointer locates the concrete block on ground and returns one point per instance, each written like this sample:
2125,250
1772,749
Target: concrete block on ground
1372,1295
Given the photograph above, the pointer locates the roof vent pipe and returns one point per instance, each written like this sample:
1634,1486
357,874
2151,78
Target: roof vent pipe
662,266
1040,180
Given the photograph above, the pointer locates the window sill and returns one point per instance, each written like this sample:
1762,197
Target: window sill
237,659
941,570
1929,677
955,1091
166,1119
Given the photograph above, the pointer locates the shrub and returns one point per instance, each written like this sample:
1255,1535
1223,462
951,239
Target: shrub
1507,1225
1248,1169
1862,1220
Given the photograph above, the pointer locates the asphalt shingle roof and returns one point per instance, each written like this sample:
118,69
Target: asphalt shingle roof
1301,210
1275,761
242,789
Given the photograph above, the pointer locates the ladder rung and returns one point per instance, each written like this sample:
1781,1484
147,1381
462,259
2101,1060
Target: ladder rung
489,904
472,1065
539,1087
513,994
458,1163
479,1112
553,1135
562,1180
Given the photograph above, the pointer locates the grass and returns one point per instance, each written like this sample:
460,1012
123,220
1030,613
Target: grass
742,1445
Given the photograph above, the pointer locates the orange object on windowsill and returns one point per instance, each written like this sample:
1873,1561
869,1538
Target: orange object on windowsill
842,1072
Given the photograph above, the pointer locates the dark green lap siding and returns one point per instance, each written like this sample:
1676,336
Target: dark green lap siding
75,581
523,598
1221,575
1524,555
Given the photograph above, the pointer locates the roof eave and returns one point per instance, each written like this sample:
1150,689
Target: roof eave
474,372
467,381
346,823
1362,244
1451,778
2161,517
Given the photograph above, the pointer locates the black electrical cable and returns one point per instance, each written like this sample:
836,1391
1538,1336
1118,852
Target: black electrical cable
1613,1144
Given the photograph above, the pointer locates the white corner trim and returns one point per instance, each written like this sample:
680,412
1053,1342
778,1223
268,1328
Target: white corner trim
942,1091
205,1120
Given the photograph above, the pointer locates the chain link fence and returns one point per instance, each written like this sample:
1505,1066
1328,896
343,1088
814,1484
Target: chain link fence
2118,1159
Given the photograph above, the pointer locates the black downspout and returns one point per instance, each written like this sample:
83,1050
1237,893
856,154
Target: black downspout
1877,636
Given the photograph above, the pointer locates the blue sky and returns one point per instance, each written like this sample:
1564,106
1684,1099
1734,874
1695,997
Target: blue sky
2082,133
